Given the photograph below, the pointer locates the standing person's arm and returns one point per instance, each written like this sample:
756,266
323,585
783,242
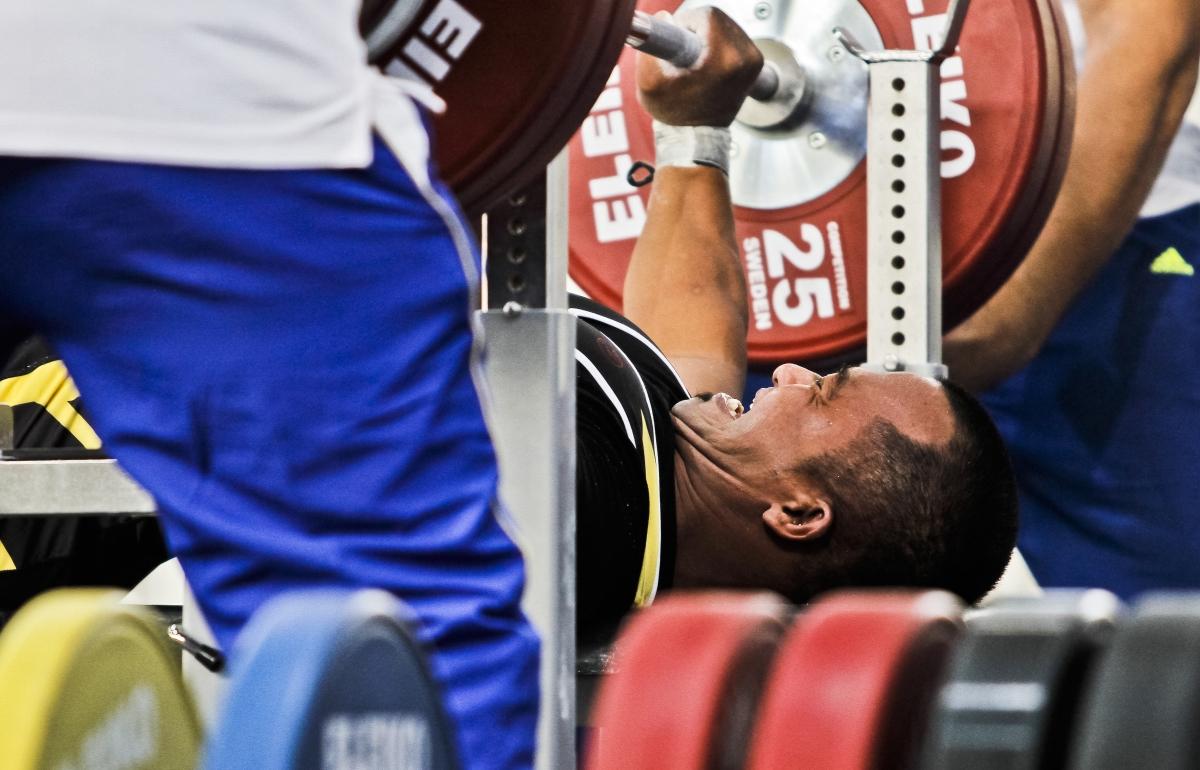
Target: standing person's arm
1137,79
685,286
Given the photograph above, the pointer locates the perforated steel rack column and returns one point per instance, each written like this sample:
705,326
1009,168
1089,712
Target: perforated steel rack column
904,203
530,352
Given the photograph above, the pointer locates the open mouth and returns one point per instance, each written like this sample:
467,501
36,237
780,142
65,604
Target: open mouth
730,405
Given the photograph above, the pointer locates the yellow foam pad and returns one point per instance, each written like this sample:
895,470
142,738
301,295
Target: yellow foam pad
88,682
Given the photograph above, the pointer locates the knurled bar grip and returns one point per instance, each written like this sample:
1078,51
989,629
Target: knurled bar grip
670,42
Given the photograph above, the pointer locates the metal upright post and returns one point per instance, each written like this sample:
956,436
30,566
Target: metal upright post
904,203
530,364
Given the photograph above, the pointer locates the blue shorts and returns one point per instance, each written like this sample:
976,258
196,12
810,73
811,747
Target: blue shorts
283,358
1103,425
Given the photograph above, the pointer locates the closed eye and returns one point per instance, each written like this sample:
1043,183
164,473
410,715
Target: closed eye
843,377
816,394
823,394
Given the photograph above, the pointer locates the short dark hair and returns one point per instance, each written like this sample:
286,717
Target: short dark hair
909,514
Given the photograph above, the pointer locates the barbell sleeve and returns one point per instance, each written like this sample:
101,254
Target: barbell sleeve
681,47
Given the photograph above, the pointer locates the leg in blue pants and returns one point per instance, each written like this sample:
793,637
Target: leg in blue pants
283,359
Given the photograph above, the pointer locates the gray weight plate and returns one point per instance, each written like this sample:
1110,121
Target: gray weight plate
1143,704
1016,681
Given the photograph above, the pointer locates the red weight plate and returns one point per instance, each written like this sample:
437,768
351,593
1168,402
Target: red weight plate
1003,99
371,12
517,78
1026,219
854,681
689,671
1054,153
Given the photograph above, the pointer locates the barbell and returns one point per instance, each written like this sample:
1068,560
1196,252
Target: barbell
517,92
682,48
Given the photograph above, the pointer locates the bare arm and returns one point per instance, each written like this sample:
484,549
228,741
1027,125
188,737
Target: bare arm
685,286
1137,79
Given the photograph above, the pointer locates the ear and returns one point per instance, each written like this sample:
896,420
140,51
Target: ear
801,520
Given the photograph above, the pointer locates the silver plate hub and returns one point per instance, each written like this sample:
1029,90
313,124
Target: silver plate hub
789,102
820,146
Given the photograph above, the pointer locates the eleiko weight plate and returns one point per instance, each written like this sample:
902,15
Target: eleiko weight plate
517,80
325,679
854,682
800,189
689,672
88,682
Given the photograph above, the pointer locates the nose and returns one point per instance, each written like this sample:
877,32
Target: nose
790,374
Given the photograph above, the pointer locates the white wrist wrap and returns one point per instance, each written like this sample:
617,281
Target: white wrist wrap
691,146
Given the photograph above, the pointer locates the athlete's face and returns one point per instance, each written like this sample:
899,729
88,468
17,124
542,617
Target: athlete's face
803,415
739,491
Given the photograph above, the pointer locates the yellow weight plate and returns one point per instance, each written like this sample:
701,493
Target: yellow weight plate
88,682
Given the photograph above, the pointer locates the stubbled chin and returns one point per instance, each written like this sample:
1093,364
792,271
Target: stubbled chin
688,430
688,411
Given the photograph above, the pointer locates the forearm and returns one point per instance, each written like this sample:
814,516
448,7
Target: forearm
685,286
1131,98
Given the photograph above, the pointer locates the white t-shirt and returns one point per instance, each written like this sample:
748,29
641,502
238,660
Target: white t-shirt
1178,185
227,83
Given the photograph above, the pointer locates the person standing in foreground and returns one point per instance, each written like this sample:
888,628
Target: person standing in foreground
1102,319
230,227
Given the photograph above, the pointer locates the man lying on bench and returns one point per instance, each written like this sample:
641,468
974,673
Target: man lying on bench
852,479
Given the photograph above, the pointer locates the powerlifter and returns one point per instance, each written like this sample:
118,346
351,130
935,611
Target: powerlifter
229,227
854,479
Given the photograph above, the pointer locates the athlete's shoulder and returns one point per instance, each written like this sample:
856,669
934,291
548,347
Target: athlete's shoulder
633,343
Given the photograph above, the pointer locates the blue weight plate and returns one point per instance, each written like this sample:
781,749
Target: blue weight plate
330,680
